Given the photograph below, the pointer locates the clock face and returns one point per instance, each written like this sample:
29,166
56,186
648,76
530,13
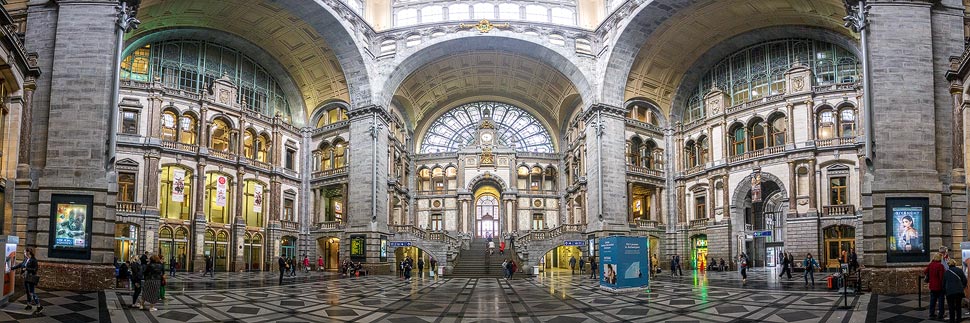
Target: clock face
486,137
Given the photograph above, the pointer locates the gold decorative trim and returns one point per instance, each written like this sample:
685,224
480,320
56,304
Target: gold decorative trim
484,26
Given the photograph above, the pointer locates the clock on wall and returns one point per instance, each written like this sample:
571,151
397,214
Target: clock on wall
486,138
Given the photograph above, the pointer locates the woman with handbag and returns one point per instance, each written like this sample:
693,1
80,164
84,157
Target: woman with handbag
153,282
30,279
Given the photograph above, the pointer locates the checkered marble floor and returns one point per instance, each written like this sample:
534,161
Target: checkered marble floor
554,296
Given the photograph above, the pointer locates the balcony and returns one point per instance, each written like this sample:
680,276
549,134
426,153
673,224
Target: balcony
180,146
289,225
698,223
128,207
329,172
640,170
835,87
437,192
833,142
423,234
538,235
644,125
835,210
222,154
328,226
263,165
645,224
694,170
757,153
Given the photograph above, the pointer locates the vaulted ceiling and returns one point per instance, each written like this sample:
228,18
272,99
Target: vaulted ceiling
297,46
680,40
487,75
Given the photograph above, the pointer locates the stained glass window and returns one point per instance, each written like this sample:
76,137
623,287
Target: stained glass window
515,128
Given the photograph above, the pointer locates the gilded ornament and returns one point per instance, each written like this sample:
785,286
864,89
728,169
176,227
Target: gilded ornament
484,26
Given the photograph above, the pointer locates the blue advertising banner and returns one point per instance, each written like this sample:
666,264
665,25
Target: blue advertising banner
624,262
400,243
574,243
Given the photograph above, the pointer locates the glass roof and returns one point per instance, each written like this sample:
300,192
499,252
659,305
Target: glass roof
515,128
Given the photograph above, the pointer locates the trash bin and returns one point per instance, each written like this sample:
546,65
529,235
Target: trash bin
828,282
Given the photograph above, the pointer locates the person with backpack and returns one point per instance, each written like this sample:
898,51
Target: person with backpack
810,265
31,279
954,281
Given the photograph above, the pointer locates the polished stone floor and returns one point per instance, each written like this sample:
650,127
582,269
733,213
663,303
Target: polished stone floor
555,296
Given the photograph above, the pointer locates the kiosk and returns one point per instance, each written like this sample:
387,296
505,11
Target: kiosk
624,263
10,260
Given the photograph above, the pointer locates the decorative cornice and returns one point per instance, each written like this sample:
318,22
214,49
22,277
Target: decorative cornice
606,109
367,111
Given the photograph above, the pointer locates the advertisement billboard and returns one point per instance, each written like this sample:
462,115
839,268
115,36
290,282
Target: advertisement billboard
907,221
624,262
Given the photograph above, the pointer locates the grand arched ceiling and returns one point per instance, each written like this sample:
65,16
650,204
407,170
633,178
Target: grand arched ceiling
677,42
298,46
487,75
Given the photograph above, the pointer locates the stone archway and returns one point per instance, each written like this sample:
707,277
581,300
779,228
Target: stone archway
747,217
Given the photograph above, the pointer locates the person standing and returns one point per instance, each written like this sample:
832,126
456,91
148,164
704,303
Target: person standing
934,274
680,272
592,267
743,267
513,268
208,267
810,265
137,275
319,263
306,264
171,266
31,279
153,282
501,247
421,267
572,264
582,263
283,267
954,282
407,268
654,263
786,264
434,267
144,258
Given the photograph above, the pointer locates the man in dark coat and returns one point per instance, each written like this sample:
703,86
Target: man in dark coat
283,266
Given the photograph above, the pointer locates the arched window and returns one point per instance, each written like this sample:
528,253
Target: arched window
484,11
175,193
187,130
634,151
737,140
168,126
326,156
508,11
847,122
249,144
407,17
690,155
703,150
536,13
339,154
262,148
646,152
515,127
757,134
431,14
424,176
254,203
220,136
438,178
458,12
826,124
777,129
218,194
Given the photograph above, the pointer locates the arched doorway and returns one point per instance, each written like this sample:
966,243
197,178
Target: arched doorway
415,253
759,216
837,238
329,248
253,251
487,212
173,242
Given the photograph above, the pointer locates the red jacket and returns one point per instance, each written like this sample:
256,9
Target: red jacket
935,271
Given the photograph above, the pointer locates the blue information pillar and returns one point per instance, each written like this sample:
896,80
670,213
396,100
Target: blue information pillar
624,263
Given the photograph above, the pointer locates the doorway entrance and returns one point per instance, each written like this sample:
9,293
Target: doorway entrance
487,212
836,239
288,247
330,251
699,254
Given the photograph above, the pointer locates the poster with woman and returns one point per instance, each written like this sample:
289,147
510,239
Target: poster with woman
907,228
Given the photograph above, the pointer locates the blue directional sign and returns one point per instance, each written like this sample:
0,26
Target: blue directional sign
761,234
574,243
400,243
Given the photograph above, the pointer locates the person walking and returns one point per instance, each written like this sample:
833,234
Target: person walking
501,247
654,264
680,272
153,282
137,275
582,263
421,267
592,267
31,279
293,265
512,268
954,282
572,264
434,266
283,266
407,268
208,267
491,247
934,273
786,264
743,267
506,268
319,263
810,265
306,264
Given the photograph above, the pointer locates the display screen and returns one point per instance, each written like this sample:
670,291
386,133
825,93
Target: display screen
11,258
906,229
71,226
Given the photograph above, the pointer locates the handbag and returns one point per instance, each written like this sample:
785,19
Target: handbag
32,279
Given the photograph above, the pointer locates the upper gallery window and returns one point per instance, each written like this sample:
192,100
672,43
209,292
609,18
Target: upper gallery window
411,12
758,71
515,127
192,65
